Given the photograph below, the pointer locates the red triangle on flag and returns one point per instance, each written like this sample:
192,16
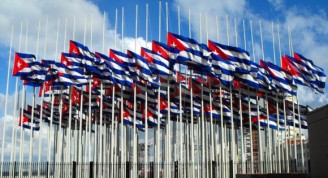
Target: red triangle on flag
19,64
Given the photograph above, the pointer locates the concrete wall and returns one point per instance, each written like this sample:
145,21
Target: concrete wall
318,142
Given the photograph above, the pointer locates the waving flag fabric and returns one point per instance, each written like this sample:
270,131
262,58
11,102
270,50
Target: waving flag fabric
165,51
263,79
142,66
32,72
71,60
157,63
264,122
23,64
279,77
59,74
237,56
224,69
117,71
124,59
79,49
192,53
288,64
318,76
89,61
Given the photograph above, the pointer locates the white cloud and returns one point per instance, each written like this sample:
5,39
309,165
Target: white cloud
13,13
277,4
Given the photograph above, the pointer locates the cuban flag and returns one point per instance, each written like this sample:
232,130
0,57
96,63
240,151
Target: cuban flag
26,122
291,121
142,67
150,115
79,49
139,118
264,122
89,61
118,70
22,64
127,118
238,57
174,108
263,79
279,77
166,52
216,111
288,64
224,69
37,76
124,59
318,76
59,74
140,94
71,60
192,53
157,63
25,64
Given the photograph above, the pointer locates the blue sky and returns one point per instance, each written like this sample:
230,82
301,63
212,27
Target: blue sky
307,21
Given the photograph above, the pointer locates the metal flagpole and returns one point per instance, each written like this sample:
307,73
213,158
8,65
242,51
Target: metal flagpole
217,130
212,136
278,164
180,104
122,100
101,158
6,105
22,134
168,80
268,143
250,134
300,134
286,135
279,135
299,118
112,146
240,109
293,98
33,107
252,37
241,115
52,105
59,138
22,138
89,110
135,138
202,116
81,158
232,138
15,126
252,156
76,132
222,135
260,160
157,143
284,106
260,157
191,113
146,107
269,155
67,129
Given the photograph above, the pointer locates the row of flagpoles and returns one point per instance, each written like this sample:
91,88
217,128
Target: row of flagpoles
198,97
